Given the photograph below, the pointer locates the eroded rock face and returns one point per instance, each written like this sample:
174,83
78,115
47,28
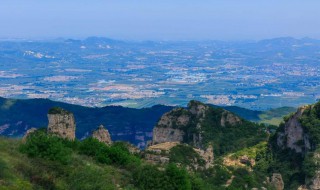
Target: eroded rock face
170,126
62,123
174,118
162,135
294,136
29,131
102,135
207,156
229,118
277,182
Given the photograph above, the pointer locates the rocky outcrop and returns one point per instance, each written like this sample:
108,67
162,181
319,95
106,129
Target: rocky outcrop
102,135
207,155
276,181
293,136
159,153
162,135
171,126
29,131
175,118
61,123
228,118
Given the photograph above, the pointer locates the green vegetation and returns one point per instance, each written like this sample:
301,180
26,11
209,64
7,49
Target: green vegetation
185,155
172,178
41,145
275,116
47,162
311,123
58,110
231,138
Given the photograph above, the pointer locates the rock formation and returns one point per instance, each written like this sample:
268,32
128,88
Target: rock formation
207,155
61,123
276,181
174,126
293,136
162,135
102,135
29,131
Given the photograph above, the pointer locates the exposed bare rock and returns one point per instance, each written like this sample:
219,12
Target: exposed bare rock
166,147
102,135
156,159
163,134
174,118
159,153
207,156
29,131
61,123
246,160
229,118
238,162
294,136
276,181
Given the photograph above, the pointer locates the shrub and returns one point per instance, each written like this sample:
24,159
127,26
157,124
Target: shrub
40,144
116,154
173,178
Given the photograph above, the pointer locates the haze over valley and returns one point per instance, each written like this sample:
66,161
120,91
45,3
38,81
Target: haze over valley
97,72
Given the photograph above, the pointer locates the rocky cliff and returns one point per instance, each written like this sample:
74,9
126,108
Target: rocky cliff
61,123
102,135
301,134
294,136
185,125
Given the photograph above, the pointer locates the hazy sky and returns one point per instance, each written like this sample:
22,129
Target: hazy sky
160,19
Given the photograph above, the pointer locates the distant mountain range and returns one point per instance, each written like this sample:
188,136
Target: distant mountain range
127,124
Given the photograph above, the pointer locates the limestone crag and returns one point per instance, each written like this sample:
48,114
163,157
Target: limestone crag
29,131
294,136
161,135
174,118
171,125
102,135
61,123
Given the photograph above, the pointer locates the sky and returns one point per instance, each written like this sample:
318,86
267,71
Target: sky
160,19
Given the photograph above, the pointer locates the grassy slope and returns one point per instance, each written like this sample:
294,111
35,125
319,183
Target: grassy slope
17,171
